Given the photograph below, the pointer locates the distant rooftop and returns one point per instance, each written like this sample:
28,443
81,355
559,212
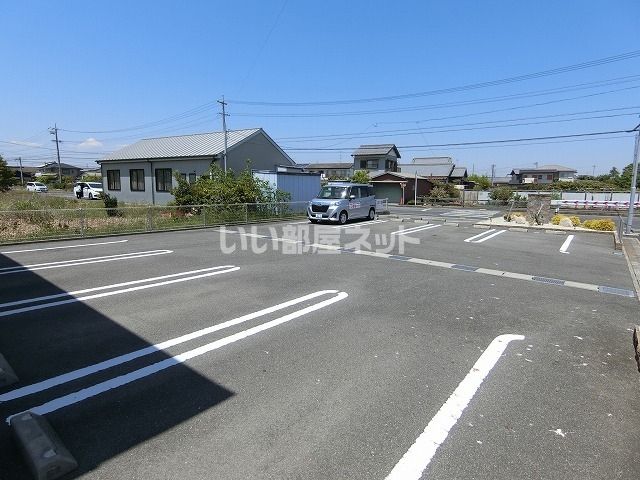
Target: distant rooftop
380,149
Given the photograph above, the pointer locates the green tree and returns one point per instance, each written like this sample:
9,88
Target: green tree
223,188
360,176
6,176
626,176
614,172
482,182
501,194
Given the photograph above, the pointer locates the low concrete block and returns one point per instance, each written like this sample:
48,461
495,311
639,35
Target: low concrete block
482,227
617,244
450,224
7,375
557,232
518,229
636,344
43,451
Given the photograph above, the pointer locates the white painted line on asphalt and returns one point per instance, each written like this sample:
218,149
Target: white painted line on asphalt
426,209
65,246
116,382
472,269
40,306
127,357
81,261
565,245
404,231
107,287
486,232
484,239
413,463
415,230
362,224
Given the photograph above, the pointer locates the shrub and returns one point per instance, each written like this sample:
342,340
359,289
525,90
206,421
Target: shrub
501,194
574,220
111,204
603,224
555,220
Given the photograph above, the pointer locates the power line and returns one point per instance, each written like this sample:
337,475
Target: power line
486,142
449,128
438,105
474,86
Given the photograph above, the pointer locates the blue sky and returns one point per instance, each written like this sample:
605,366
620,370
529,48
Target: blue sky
99,68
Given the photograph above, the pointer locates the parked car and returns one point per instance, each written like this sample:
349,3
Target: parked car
88,190
36,187
342,201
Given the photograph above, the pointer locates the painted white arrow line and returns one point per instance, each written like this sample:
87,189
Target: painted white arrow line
116,382
415,461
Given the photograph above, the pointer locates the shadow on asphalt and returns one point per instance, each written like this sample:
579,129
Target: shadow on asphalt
43,343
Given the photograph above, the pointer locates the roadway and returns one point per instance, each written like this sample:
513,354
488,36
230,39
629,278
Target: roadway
325,352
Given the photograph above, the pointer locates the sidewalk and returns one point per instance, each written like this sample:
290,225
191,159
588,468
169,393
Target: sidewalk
631,246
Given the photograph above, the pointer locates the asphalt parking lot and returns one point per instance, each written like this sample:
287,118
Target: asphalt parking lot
380,349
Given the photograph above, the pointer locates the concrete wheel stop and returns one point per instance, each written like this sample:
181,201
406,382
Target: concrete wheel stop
41,447
7,375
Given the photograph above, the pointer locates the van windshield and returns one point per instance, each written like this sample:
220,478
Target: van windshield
332,191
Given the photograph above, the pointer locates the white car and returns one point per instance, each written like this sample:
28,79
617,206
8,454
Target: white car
36,187
88,190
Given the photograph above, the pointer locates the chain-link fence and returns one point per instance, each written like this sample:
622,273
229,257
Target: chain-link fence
49,223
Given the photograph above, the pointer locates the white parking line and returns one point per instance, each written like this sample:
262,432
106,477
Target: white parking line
484,239
485,236
471,239
116,382
81,261
40,306
415,461
416,229
65,246
363,224
565,245
127,357
426,209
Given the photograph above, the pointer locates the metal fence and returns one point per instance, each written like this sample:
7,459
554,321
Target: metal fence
28,225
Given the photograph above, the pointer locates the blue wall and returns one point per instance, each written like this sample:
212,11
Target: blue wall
302,186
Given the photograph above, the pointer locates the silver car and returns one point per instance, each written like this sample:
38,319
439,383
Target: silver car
340,202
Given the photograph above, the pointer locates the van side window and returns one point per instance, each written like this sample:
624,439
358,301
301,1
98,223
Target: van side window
356,191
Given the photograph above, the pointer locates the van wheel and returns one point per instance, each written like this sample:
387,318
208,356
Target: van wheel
313,221
91,196
372,214
342,219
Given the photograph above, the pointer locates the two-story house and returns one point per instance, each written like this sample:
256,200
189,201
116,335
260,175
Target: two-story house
376,158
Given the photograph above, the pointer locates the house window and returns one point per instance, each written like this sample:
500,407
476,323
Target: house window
369,164
183,176
192,178
113,179
136,180
164,181
549,177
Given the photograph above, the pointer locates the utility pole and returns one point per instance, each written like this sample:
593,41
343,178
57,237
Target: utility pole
54,131
224,130
21,177
634,180
493,173
593,172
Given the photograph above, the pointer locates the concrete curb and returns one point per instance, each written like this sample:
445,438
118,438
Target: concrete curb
481,227
548,228
7,375
41,447
631,251
518,229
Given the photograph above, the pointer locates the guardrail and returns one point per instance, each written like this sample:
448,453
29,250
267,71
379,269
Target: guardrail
591,204
48,223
